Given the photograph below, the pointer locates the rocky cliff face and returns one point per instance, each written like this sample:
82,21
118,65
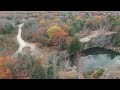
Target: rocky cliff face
97,39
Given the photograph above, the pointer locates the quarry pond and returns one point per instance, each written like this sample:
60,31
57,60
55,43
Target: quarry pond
99,57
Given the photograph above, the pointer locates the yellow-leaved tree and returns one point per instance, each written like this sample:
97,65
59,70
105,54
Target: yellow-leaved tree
42,23
57,36
50,32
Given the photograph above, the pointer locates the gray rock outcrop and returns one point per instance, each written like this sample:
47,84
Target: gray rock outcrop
97,39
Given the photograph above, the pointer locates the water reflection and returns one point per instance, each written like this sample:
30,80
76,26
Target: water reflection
100,50
92,62
99,58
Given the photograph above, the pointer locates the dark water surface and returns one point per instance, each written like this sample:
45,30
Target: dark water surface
98,57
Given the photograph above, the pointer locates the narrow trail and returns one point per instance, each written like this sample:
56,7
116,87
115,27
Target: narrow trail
34,50
21,42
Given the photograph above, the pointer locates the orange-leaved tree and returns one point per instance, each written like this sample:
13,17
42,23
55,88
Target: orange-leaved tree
56,36
5,67
36,35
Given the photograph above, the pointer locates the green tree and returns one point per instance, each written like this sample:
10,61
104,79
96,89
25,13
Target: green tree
75,45
74,48
39,72
116,40
7,29
112,20
77,25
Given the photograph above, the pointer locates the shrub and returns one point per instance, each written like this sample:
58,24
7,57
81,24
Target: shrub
75,45
96,22
77,25
42,23
97,73
64,20
79,18
74,49
5,73
17,22
116,40
71,32
35,36
1,30
52,66
69,22
8,28
69,16
24,66
55,34
29,31
29,23
113,22
94,74
39,72
39,36
47,72
6,65
43,40
28,66
87,16
50,72
52,29
9,17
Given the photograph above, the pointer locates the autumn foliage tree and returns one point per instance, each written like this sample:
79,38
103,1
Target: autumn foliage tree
39,36
56,36
6,64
